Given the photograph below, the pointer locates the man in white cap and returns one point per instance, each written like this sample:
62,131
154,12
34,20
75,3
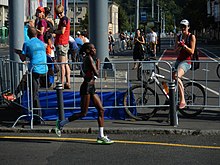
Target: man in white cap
185,46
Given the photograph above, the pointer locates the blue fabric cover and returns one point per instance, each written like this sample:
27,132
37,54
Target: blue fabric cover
49,100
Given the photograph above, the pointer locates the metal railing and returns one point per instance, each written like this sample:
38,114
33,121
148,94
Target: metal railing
117,81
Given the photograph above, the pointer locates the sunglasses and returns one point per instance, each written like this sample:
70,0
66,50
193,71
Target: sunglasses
59,13
183,26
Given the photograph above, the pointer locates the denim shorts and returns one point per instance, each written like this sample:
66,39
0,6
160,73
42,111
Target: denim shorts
182,64
62,50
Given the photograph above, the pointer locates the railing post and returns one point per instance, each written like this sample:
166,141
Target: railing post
173,112
59,89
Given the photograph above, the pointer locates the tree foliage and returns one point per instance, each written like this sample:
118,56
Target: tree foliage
175,10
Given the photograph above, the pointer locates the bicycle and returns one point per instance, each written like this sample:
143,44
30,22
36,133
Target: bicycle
144,73
218,70
142,101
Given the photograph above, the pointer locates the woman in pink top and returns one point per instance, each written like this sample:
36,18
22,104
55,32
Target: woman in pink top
41,24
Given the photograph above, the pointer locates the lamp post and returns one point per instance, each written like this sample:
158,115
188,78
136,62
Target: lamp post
158,12
137,15
164,21
152,9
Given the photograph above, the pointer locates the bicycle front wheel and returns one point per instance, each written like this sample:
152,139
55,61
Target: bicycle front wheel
195,99
218,70
139,101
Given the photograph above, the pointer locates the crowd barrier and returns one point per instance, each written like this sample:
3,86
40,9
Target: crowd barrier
111,87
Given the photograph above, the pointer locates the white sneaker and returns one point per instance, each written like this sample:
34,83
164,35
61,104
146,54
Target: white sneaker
104,140
58,129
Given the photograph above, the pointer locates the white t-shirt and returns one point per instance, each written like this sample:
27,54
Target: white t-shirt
153,37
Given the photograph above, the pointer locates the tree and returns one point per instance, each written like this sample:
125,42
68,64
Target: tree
175,10
124,24
195,12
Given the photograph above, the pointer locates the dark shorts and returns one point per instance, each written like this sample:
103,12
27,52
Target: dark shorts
87,88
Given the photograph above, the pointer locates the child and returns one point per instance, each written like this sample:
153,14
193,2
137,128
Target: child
50,60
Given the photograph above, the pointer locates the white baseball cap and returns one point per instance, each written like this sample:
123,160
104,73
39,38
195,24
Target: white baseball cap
184,22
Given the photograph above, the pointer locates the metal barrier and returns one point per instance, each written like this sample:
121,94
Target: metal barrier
122,79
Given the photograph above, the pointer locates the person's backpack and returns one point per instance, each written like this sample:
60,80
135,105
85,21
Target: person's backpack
195,57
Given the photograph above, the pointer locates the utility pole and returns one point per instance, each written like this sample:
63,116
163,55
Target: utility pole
137,15
158,12
152,9
164,22
98,27
16,39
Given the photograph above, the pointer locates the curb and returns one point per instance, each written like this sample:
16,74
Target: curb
115,131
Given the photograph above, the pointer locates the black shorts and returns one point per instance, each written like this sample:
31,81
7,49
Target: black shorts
87,88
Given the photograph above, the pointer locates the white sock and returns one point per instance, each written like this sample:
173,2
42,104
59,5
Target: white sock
101,131
64,122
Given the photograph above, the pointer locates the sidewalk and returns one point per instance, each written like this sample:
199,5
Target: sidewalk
207,123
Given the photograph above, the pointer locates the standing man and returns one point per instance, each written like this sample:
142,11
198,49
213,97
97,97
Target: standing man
62,45
153,42
35,50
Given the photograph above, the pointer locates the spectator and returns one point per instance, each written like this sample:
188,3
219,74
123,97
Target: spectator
47,81
50,22
62,45
122,37
85,37
27,24
73,49
34,49
138,52
185,48
79,40
48,17
153,42
87,92
111,43
41,23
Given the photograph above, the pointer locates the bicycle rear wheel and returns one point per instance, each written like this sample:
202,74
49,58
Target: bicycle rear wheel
137,101
195,99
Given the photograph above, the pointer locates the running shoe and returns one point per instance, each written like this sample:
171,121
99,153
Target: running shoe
58,129
104,140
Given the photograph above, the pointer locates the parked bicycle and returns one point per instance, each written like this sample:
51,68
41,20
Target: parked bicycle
143,74
142,101
218,70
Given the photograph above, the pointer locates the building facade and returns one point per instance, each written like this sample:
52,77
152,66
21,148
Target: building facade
81,9
213,10
3,12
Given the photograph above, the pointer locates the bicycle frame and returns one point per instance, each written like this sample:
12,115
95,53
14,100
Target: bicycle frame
154,76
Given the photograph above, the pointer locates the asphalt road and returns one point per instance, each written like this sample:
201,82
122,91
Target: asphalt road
127,149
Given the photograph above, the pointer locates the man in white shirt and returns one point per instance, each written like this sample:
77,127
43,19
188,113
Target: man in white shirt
153,42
